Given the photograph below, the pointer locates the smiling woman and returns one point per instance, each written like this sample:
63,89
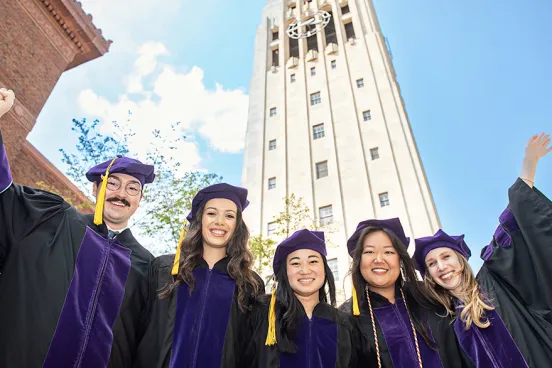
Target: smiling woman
207,291
297,326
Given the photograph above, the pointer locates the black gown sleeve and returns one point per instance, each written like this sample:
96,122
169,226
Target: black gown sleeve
520,253
22,209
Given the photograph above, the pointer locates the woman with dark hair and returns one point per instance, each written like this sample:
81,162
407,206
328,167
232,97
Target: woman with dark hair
298,326
502,316
207,289
394,311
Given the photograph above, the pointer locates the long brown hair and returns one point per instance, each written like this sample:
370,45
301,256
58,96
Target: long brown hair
473,302
239,266
415,293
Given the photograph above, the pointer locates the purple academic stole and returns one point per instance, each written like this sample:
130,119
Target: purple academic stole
84,335
491,347
316,341
202,319
399,337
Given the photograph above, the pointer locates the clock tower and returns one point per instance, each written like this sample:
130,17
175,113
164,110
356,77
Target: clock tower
327,123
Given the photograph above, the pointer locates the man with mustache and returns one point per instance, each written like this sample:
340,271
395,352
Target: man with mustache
73,287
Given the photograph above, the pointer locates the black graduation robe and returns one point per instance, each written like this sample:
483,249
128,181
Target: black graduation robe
516,274
69,297
396,339
203,329
330,339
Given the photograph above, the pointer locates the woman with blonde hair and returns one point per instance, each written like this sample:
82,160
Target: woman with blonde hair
503,316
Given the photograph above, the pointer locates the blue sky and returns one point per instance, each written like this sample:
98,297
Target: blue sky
475,78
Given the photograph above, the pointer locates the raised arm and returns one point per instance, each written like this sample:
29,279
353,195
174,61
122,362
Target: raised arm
21,208
521,250
536,148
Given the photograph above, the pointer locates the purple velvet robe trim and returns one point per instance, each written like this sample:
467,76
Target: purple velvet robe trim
202,319
83,336
491,347
399,337
502,237
316,341
5,172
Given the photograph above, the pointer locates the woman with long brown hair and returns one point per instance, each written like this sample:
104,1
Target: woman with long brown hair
392,306
207,289
503,316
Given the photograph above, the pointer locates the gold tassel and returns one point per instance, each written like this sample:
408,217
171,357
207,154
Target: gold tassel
178,250
356,310
271,335
100,200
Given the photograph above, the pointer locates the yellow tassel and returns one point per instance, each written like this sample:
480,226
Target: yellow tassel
356,310
271,335
178,250
100,200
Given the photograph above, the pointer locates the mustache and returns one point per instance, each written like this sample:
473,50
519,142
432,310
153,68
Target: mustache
117,199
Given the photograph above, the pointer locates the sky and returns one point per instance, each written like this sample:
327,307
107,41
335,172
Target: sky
475,77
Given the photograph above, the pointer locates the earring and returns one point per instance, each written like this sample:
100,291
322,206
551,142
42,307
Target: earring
403,276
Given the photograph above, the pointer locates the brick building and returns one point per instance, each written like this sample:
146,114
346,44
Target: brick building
39,40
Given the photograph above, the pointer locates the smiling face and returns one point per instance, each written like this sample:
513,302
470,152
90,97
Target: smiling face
122,198
218,222
305,272
380,262
444,267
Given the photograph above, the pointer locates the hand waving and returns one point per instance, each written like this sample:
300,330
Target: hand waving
7,99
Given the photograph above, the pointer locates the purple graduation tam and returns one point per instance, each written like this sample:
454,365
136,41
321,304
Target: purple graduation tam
301,239
237,195
123,165
440,239
393,225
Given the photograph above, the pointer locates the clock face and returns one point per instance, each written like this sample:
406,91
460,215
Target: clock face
308,25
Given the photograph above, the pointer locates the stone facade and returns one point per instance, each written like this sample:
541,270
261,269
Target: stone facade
367,145
39,40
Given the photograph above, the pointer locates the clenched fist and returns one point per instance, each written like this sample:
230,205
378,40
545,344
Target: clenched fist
7,98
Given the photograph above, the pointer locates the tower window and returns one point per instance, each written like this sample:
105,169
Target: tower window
292,78
321,169
318,131
360,83
349,30
315,98
271,183
313,71
275,57
293,47
271,229
367,115
326,215
275,35
334,64
272,145
329,31
312,41
374,152
272,112
332,264
384,199
345,9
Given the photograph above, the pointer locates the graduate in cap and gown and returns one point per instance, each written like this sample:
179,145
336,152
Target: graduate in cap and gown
299,326
503,316
73,287
201,298
392,305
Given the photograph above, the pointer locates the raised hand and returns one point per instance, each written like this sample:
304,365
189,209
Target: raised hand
536,148
7,99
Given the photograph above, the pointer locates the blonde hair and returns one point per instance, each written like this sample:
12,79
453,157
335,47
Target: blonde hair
472,301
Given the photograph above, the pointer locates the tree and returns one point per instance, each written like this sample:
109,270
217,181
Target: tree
295,216
166,202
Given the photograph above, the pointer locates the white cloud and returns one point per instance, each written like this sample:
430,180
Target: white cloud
219,116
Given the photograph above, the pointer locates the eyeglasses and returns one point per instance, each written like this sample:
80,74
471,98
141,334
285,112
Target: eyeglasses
132,189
